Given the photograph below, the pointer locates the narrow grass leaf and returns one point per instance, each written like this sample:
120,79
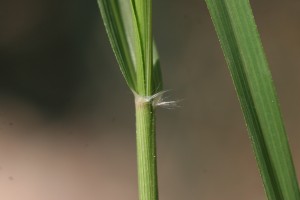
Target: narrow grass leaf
240,41
118,18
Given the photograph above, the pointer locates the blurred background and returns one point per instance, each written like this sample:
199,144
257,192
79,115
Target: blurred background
67,117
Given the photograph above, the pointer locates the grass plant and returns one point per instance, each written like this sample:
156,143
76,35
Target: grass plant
129,27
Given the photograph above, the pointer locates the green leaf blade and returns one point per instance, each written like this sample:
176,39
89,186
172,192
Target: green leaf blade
240,41
117,24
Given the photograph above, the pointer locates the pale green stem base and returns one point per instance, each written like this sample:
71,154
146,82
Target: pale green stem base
146,151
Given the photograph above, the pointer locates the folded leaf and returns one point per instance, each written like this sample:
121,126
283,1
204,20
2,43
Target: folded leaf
128,24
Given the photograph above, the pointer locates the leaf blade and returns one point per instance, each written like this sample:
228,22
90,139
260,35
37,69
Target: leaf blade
240,41
119,29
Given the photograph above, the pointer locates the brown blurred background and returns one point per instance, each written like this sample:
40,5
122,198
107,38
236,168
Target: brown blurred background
67,116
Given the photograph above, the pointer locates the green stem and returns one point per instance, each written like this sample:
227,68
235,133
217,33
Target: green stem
146,150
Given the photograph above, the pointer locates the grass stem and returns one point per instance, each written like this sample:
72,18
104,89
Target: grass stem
146,151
